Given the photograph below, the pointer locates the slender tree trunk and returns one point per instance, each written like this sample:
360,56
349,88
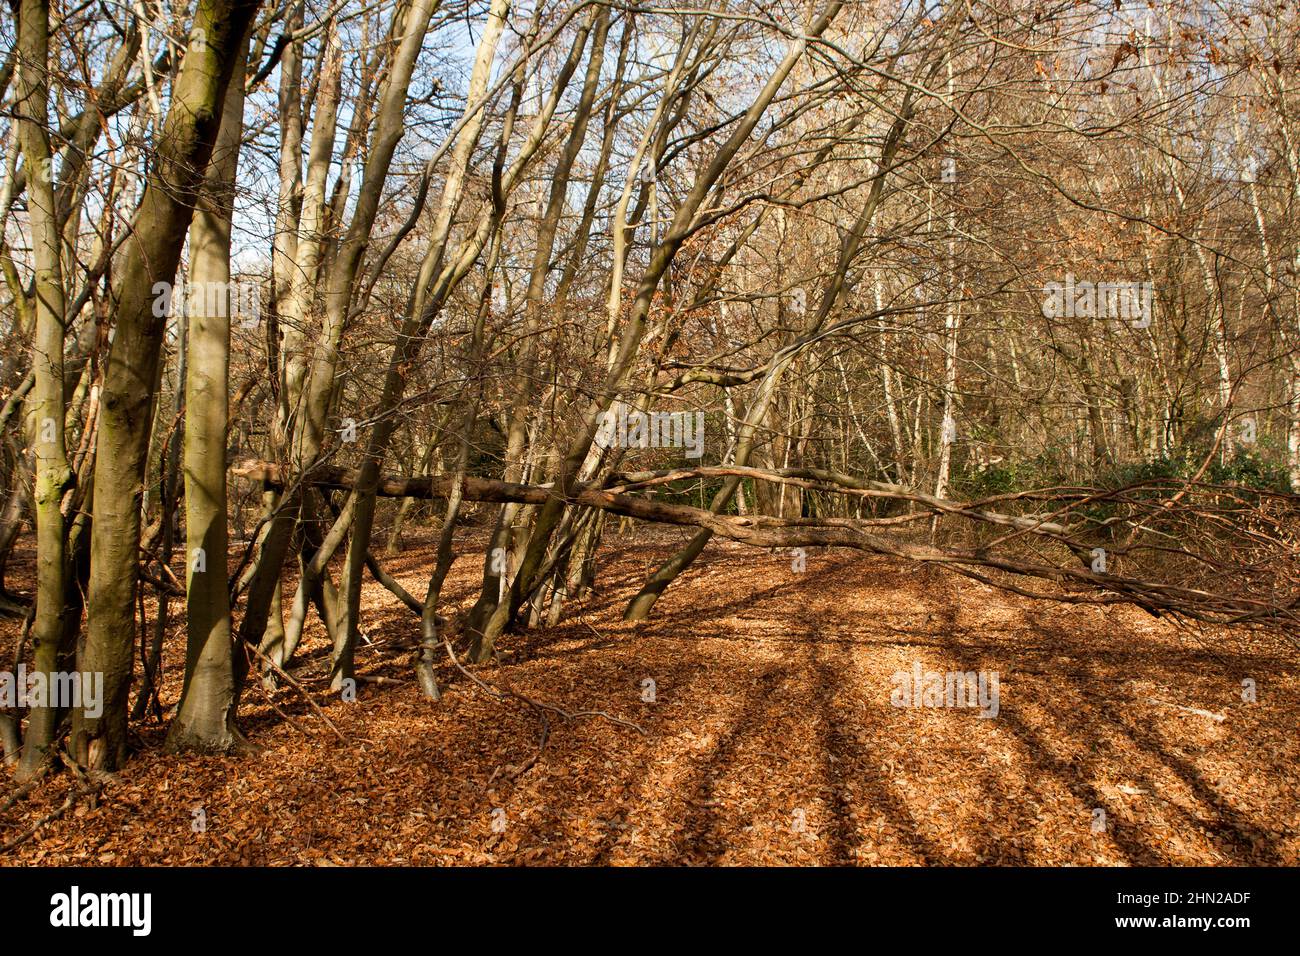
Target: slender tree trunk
948,428
205,718
11,523
169,488
394,545
46,410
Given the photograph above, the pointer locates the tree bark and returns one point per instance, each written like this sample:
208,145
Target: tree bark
131,379
46,409
205,718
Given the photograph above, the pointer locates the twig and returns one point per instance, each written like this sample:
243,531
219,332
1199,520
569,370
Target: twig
74,794
509,691
301,690
293,723
1220,718
19,793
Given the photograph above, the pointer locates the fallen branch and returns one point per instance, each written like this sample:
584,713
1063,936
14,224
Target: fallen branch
1244,523
75,793
19,793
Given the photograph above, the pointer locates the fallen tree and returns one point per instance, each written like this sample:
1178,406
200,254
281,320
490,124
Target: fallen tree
1192,550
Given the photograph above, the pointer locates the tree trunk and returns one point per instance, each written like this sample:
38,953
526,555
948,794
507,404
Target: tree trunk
205,718
46,423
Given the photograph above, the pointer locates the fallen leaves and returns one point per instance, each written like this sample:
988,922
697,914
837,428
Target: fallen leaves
772,739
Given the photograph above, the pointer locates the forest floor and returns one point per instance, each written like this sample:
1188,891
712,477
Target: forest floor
771,738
